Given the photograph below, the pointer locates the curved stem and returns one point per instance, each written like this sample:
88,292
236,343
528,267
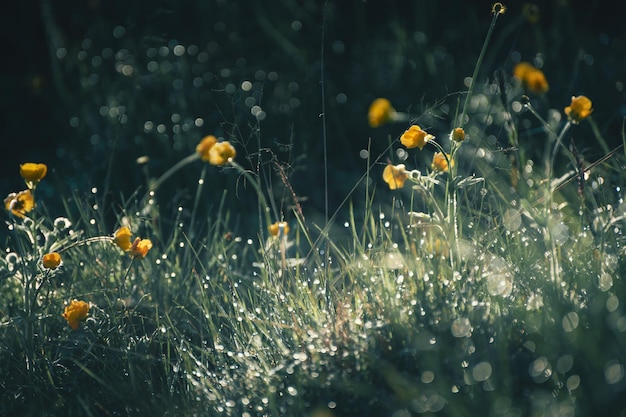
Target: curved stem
196,202
156,184
257,187
550,167
84,242
477,67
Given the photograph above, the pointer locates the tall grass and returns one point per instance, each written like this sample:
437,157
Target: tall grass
490,287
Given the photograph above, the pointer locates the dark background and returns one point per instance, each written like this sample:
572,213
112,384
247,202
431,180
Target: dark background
65,100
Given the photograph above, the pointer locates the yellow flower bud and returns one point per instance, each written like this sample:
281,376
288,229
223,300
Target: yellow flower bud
51,260
380,112
578,109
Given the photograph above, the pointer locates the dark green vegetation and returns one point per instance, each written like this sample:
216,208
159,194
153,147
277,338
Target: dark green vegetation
495,289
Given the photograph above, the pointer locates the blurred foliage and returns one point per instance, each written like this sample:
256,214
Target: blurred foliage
92,86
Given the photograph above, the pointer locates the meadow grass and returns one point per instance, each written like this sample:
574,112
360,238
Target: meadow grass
488,284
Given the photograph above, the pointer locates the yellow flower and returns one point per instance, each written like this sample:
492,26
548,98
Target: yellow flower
51,260
380,112
395,176
457,134
578,109
221,153
122,238
76,312
33,173
140,248
521,69
19,204
137,249
440,163
276,228
532,78
535,81
205,146
415,137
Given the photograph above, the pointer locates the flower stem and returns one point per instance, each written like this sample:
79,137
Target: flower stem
477,67
85,242
257,187
180,164
555,149
196,202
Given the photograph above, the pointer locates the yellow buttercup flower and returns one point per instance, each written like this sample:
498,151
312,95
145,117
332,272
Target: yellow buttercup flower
580,108
535,81
76,312
380,112
440,163
33,173
20,203
140,248
122,238
205,146
51,260
395,176
137,248
221,153
520,69
457,134
532,79
415,137
275,228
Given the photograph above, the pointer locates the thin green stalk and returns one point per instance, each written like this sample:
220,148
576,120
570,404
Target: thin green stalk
558,142
257,187
598,135
180,164
122,288
196,202
450,197
84,242
555,149
496,12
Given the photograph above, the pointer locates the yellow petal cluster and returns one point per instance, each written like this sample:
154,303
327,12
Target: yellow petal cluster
122,238
214,152
221,153
457,134
19,204
415,137
275,228
205,146
137,248
440,162
76,312
33,173
395,176
51,260
532,79
580,108
140,248
380,112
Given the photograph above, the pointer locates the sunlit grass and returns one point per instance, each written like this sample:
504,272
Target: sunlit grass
484,281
